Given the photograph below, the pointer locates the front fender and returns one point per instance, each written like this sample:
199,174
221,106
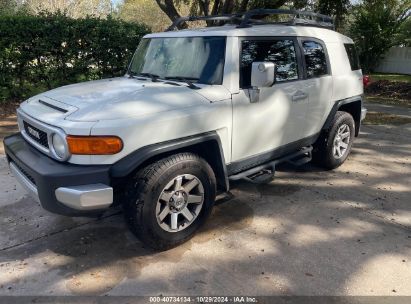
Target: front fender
207,145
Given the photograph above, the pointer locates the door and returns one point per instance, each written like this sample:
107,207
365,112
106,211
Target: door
318,84
278,117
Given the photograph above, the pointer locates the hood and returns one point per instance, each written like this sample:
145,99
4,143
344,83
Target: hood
118,98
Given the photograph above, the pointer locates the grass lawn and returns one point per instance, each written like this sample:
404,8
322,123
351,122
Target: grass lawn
391,77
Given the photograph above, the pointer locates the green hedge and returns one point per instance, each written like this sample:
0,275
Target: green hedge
38,53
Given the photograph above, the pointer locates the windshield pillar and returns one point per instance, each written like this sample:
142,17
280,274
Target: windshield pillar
231,78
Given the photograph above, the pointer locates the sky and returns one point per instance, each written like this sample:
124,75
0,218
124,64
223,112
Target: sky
116,2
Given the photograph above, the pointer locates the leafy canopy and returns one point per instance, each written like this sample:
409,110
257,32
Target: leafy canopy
378,25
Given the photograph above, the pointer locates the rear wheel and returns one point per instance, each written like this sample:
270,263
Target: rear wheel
166,202
334,145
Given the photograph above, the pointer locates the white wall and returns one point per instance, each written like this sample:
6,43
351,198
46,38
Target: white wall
397,60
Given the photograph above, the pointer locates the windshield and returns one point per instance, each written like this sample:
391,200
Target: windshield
198,59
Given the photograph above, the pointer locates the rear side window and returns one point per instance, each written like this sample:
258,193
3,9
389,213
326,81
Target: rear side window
352,56
315,59
280,52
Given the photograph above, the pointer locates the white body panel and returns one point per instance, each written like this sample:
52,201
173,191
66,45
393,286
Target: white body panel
319,91
274,121
142,112
151,129
346,83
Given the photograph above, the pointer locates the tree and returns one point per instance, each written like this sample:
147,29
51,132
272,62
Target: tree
309,5
378,25
147,12
10,7
214,7
404,37
71,8
6,7
336,8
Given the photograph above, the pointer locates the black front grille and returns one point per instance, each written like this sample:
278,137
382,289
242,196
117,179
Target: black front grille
25,173
36,134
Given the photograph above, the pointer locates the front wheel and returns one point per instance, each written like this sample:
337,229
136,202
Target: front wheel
166,202
334,145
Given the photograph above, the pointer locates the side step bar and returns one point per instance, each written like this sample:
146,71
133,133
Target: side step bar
265,172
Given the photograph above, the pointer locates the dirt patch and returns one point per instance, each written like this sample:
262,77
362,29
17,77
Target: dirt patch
9,108
378,118
8,126
276,189
390,89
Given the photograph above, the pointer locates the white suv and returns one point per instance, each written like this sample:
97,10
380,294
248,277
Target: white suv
196,109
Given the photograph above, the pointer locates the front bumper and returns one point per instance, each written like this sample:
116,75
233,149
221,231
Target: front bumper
61,188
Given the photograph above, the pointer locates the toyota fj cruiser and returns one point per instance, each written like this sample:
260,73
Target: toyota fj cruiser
196,109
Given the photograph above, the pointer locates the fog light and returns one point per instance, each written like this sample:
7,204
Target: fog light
59,145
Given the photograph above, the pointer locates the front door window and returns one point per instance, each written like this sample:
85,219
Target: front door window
280,52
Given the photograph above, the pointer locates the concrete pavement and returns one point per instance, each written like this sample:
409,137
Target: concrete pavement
386,108
309,232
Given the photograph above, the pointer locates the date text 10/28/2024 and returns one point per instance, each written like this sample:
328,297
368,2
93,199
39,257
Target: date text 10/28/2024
203,299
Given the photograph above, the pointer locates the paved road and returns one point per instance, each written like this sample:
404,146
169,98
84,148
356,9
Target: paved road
309,232
391,109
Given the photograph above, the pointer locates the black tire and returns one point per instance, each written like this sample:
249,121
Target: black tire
323,154
144,189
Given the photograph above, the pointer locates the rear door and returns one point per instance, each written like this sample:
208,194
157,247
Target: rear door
318,84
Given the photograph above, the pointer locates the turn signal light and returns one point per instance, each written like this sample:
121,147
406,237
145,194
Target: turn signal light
94,145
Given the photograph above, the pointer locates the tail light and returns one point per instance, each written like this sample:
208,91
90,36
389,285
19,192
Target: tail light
366,80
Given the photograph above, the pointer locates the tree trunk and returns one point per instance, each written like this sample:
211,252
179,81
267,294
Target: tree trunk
243,6
168,7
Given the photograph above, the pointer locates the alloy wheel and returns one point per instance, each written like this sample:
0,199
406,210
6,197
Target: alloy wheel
180,203
341,141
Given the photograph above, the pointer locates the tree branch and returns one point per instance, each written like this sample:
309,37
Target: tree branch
204,6
168,7
243,6
216,7
228,7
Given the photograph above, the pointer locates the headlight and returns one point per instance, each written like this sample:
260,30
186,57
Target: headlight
59,145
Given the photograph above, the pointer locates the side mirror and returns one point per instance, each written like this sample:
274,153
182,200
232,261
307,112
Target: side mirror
262,74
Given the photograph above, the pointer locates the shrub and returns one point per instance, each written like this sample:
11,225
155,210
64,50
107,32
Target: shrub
38,53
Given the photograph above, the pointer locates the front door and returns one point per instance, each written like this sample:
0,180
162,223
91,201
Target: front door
279,116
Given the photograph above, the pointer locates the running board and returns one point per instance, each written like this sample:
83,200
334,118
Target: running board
265,172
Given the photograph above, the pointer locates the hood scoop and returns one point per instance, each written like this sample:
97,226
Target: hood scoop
53,106
46,109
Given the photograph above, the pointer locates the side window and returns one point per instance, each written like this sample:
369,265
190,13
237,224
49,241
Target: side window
315,59
280,52
352,56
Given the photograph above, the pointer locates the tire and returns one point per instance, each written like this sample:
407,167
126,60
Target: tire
143,208
326,152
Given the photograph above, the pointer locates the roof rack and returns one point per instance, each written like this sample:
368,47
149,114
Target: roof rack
230,18
300,18
246,19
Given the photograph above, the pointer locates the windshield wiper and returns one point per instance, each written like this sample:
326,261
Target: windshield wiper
153,77
187,80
